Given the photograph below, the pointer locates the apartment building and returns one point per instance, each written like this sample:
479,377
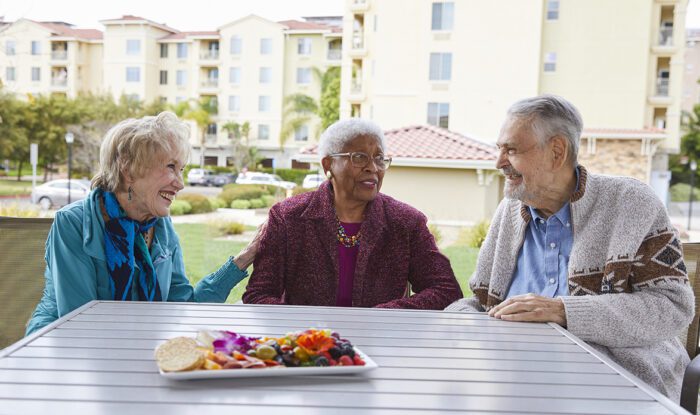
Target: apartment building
49,57
246,68
460,64
691,74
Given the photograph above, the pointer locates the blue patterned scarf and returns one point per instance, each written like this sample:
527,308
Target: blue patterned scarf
125,246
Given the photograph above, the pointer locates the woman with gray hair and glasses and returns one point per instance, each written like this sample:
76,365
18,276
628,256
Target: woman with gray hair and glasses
119,243
346,244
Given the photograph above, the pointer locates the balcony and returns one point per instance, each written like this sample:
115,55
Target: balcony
59,55
660,96
358,45
210,140
59,81
209,55
359,5
666,36
662,87
334,54
209,83
356,91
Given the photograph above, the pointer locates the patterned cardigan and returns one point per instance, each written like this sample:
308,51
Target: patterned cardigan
628,288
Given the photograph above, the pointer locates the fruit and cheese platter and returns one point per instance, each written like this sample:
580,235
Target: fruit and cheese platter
224,354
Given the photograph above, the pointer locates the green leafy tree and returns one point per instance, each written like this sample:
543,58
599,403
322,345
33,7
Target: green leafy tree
14,141
201,113
299,109
690,148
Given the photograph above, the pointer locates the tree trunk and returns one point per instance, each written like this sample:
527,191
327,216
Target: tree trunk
46,171
19,169
201,152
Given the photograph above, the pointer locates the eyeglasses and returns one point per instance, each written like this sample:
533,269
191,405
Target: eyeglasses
360,159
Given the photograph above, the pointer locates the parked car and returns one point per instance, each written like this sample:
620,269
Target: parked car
55,193
224,179
200,177
312,180
264,178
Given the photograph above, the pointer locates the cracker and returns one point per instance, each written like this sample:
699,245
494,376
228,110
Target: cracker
178,355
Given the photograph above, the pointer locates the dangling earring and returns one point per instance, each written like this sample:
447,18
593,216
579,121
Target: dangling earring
328,175
129,193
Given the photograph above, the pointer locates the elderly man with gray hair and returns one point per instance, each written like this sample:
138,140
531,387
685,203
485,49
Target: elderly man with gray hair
595,254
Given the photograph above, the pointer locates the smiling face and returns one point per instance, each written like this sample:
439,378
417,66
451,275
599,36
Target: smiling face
153,193
523,161
356,184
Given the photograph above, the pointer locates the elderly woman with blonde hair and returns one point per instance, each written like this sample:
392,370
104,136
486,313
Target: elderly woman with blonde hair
119,243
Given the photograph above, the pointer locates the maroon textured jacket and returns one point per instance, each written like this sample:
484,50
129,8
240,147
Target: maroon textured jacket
297,262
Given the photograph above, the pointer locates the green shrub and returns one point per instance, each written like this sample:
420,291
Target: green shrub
240,204
299,190
257,203
199,203
269,200
232,228
217,202
436,233
473,237
233,192
18,210
290,175
180,207
680,192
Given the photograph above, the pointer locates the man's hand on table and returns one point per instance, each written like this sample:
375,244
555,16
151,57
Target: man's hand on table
531,307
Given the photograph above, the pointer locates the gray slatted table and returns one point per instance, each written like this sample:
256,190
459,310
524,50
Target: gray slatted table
99,359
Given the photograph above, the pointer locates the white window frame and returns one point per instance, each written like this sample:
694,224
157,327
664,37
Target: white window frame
304,46
436,112
181,77
133,47
36,47
265,46
264,103
303,76
550,62
445,20
182,50
265,75
133,74
552,10
234,103
10,74
234,75
266,129
36,70
301,133
10,47
440,67
236,45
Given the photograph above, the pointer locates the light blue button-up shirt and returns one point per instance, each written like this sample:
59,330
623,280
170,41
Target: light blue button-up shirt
543,260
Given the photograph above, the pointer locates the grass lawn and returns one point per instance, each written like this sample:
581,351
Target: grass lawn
204,254
14,188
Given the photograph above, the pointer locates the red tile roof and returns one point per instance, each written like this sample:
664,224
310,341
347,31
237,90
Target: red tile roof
67,30
429,142
299,25
622,131
183,35
137,18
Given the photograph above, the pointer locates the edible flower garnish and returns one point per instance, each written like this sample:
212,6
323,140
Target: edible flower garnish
229,342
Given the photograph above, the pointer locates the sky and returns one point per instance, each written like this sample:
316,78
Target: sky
191,15
178,14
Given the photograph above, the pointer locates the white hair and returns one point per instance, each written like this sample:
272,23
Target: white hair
340,133
134,144
551,115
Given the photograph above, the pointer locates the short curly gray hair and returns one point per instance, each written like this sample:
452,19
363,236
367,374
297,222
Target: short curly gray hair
340,133
135,144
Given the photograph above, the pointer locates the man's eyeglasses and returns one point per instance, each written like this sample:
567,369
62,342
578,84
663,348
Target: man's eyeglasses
360,159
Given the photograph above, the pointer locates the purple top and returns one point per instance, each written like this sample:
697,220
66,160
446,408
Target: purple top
347,258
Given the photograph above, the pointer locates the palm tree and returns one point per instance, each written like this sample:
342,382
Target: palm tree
201,113
299,109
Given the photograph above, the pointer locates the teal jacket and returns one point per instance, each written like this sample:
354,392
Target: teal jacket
76,269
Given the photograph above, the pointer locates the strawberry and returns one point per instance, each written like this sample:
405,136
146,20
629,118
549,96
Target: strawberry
357,360
345,361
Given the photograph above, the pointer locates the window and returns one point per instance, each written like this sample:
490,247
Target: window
303,75
264,103
133,74
234,103
181,78
443,13
439,114
234,75
182,50
552,9
550,62
180,99
265,46
265,75
211,129
236,45
133,47
163,100
164,77
36,47
301,133
10,73
263,132
164,50
133,97
36,73
10,47
304,46
440,66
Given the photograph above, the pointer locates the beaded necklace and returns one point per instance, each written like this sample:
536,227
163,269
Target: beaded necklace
344,239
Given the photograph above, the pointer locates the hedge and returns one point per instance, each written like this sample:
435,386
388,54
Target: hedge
291,175
199,203
257,203
180,207
240,204
233,192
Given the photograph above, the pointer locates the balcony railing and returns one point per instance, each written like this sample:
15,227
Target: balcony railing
210,139
356,86
59,54
59,81
210,82
666,36
358,41
209,54
662,87
334,54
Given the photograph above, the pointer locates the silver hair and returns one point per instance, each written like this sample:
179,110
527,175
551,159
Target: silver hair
340,133
550,115
135,144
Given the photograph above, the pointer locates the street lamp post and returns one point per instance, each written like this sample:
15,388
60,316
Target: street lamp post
69,140
693,168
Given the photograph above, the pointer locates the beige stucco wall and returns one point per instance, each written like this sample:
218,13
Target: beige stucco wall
691,75
445,196
23,32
